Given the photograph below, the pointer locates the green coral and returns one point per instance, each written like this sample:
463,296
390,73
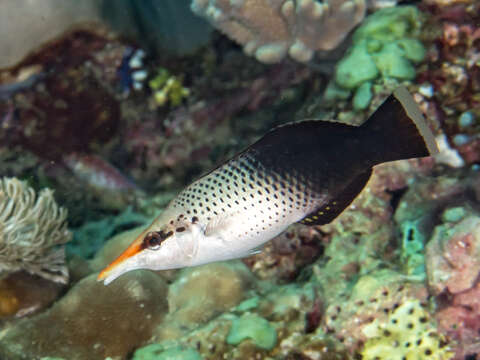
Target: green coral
157,352
384,47
407,334
167,88
356,68
253,327
363,96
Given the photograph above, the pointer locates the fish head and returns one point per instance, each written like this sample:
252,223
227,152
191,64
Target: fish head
162,246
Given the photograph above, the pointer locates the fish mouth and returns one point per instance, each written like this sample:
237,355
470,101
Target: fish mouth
123,263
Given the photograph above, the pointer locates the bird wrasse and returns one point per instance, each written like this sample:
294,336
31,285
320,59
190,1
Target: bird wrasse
307,172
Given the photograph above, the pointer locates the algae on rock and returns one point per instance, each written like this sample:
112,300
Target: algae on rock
253,327
157,352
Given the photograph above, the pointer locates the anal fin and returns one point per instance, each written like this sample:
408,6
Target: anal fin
329,211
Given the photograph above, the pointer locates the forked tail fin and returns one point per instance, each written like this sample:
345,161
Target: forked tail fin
399,129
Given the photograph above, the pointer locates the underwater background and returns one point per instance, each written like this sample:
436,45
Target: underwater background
109,108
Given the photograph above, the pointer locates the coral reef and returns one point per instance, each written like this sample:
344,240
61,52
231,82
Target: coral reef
259,322
450,76
444,229
270,30
417,212
109,124
32,230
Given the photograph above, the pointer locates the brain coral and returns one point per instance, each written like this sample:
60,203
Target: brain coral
31,228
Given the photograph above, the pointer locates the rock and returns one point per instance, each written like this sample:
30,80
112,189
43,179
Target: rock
28,26
203,292
92,321
24,294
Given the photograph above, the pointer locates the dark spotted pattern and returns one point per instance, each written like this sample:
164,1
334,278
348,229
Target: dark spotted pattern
243,185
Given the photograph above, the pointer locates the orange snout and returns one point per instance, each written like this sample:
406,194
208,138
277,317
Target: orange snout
134,248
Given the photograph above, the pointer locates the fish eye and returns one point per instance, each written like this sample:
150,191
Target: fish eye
154,239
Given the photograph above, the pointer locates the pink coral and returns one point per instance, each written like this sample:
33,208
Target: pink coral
453,268
453,256
461,322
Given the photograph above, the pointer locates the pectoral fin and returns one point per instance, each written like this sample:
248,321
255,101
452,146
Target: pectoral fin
219,224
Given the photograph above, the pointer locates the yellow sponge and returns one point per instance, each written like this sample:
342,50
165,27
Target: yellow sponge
408,335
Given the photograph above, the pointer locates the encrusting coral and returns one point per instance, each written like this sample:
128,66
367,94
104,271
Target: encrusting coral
269,29
407,335
385,48
31,229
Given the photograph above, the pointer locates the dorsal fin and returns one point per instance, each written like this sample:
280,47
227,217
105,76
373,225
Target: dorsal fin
329,211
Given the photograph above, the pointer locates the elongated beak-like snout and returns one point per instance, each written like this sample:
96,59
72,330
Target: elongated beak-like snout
121,264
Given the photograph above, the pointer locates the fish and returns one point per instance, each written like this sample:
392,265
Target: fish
308,172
